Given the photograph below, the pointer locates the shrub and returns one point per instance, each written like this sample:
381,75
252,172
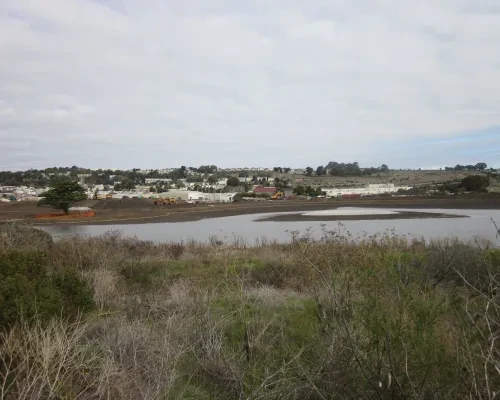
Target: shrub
29,289
237,198
477,183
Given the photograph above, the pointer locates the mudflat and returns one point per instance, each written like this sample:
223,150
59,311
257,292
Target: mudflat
138,211
357,217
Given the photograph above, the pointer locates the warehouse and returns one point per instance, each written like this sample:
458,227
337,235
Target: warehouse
218,197
184,195
371,189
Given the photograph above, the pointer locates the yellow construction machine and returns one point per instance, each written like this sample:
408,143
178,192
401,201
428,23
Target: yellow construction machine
277,196
165,202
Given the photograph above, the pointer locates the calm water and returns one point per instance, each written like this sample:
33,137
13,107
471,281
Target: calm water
477,225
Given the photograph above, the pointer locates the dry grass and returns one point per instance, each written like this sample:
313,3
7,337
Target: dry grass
343,317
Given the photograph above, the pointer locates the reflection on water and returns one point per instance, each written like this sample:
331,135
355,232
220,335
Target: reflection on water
478,225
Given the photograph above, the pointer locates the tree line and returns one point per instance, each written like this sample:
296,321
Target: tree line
477,167
344,169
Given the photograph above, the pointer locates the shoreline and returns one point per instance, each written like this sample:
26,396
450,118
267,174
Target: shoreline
143,212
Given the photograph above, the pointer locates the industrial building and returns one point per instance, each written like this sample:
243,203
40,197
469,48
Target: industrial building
218,197
370,189
184,195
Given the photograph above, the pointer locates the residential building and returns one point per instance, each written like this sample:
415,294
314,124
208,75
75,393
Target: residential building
155,180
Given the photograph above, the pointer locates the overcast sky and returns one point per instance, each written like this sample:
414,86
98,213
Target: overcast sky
163,83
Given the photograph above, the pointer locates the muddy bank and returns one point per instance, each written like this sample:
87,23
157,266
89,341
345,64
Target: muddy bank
366,217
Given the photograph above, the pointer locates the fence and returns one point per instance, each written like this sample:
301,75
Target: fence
66,216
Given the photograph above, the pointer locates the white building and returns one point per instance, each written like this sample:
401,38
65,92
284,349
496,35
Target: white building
218,197
190,195
183,195
154,180
371,189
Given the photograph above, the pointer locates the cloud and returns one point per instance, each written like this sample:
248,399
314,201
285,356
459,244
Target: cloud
121,83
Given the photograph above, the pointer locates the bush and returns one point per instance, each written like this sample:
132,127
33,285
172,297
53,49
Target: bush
247,194
29,289
476,183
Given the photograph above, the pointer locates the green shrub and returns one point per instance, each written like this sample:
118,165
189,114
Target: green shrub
476,183
29,289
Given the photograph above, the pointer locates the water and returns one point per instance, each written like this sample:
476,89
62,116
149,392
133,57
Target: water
243,227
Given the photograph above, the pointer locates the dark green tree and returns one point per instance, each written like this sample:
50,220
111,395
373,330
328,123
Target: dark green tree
309,171
300,190
476,183
62,195
233,181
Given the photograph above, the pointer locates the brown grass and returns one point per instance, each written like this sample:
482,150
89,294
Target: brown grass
381,317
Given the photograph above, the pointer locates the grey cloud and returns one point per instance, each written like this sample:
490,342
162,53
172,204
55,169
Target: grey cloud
192,82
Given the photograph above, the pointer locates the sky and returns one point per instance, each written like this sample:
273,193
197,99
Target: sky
164,83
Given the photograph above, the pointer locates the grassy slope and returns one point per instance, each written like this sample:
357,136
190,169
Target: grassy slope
327,319
399,178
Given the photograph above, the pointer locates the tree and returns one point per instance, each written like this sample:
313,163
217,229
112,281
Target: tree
309,171
310,191
212,179
63,195
300,190
342,169
480,166
320,170
287,170
233,181
476,183
384,168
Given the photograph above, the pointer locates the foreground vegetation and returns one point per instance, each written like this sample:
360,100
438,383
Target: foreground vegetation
113,317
